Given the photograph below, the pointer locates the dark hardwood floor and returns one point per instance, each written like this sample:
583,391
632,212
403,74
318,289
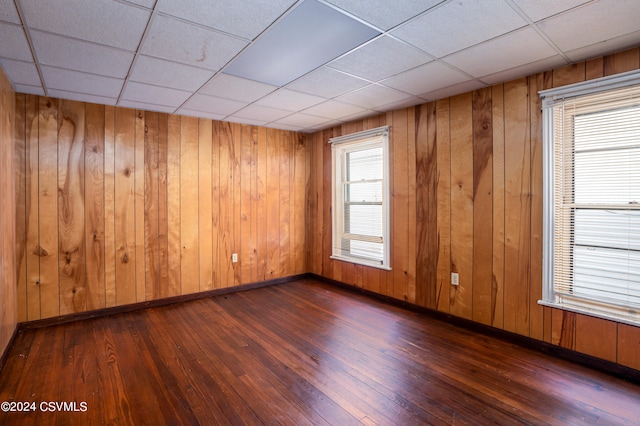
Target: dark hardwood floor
298,353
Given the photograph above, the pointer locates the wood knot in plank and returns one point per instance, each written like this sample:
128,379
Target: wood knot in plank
127,172
125,258
40,252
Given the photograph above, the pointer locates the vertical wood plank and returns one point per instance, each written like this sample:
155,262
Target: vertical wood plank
594,68
518,207
48,206
189,266
261,203
299,192
285,204
569,74
246,253
482,205
32,208
629,346
139,199
125,220
596,337
563,329
109,207
151,207
462,186
163,208
273,203
94,206
226,205
619,62
424,159
399,200
215,200
205,224
443,141
174,249
236,186
71,258
321,227
21,214
498,220
411,200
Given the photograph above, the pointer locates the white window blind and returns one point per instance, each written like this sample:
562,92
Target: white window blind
592,198
360,195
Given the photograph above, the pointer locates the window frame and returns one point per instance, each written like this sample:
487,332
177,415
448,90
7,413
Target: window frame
630,313
340,146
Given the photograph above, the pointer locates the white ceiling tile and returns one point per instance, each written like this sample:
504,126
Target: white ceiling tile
281,126
240,89
31,90
14,44
241,120
213,105
541,9
334,109
528,69
456,89
289,100
261,113
514,49
64,52
372,96
146,106
606,47
301,120
425,78
380,59
144,3
181,42
327,82
379,12
360,115
459,24
101,21
168,74
402,103
154,94
592,23
241,18
83,97
8,12
194,113
20,72
74,81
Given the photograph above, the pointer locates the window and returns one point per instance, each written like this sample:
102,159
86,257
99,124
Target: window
361,197
592,197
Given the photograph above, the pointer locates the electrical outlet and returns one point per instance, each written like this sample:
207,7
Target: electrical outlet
234,258
455,279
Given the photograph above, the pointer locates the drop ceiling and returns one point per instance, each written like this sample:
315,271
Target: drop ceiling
195,57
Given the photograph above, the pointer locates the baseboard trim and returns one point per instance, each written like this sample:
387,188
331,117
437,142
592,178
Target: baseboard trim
5,353
80,316
611,368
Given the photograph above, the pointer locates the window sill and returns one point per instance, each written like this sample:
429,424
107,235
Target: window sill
591,313
363,262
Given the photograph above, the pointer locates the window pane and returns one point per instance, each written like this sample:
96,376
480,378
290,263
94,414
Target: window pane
370,192
363,219
364,164
607,177
366,249
608,228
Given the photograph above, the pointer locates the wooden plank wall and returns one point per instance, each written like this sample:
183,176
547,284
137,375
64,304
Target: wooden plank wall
118,206
8,212
467,197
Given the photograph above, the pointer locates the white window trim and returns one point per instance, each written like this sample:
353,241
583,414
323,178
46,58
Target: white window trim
374,137
550,98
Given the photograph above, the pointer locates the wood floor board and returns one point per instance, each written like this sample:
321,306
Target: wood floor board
302,352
